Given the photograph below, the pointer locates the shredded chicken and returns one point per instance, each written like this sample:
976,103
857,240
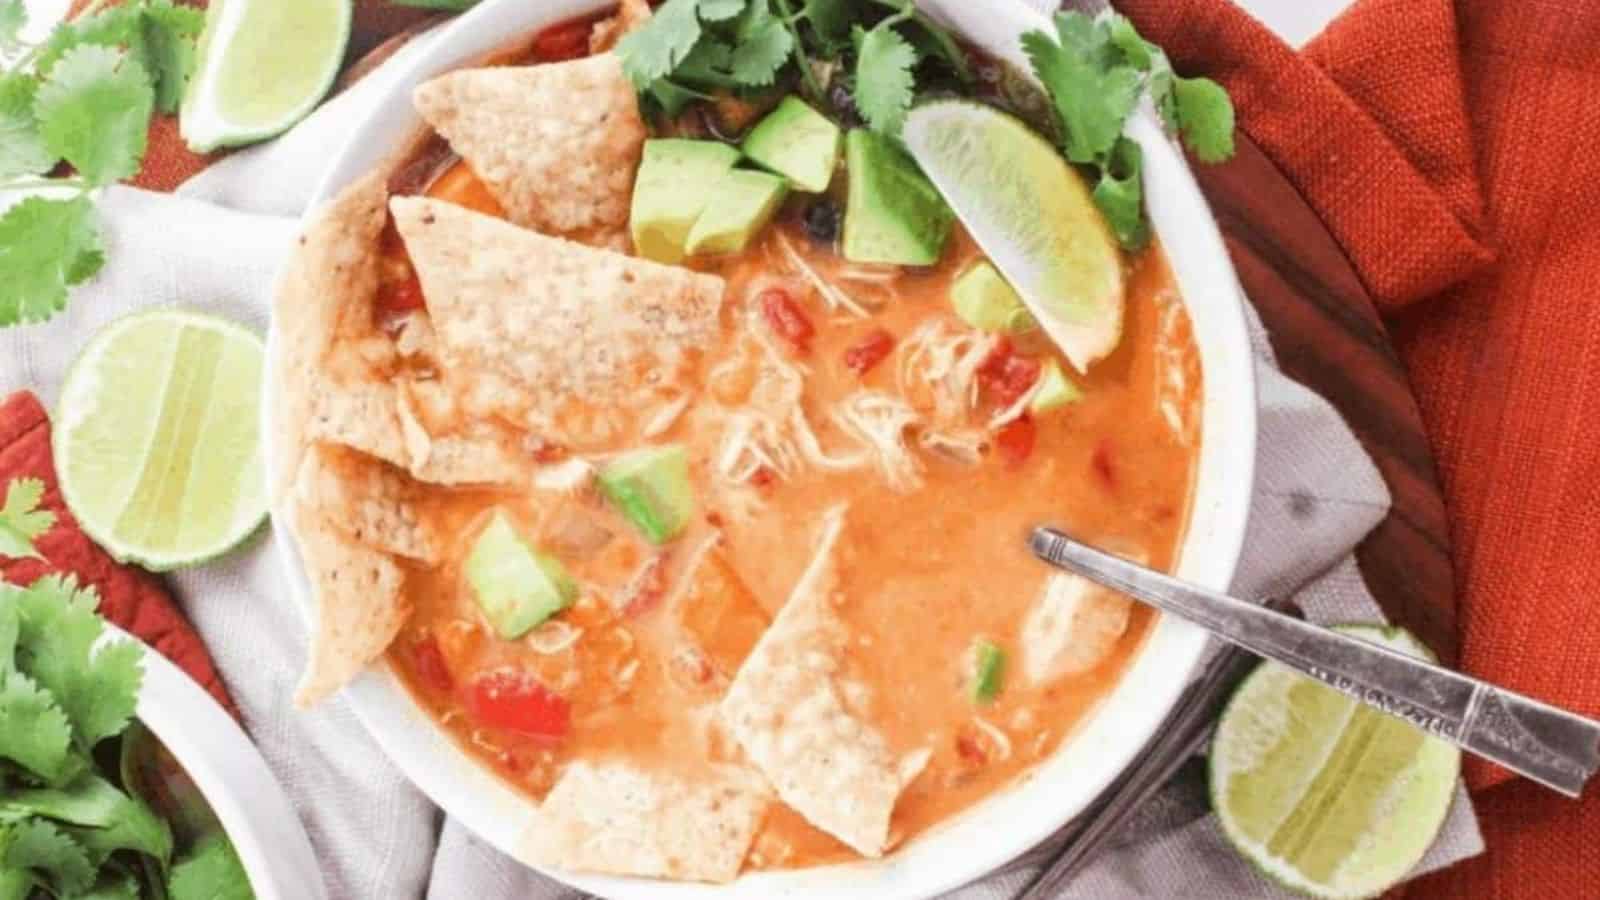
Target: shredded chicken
966,446
881,421
552,637
936,370
1178,366
835,298
571,476
666,416
1002,742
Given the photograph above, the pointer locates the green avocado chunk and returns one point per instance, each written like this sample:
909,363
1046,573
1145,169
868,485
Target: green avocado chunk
893,213
988,670
798,143
516,586
984,299
670,192
651,488
1055,389
741,204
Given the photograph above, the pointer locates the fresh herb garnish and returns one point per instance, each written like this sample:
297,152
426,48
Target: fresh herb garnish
84,97
691,49
22,521
1094,71
211,872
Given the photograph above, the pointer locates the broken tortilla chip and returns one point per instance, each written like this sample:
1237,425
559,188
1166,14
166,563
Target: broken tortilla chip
369,500
787,709
325,291
359,606
616,819
566,340
557,144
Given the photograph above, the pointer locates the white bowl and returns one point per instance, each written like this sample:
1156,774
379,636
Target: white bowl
233,778
1008,823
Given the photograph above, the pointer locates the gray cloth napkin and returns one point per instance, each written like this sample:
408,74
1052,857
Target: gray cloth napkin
216,246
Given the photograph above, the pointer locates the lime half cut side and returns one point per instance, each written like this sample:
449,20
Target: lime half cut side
1033,216
1322,794
264,64
157,438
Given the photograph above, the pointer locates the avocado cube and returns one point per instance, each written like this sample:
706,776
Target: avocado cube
651,488
516,587
670,191
988,671
1055,389
741,204
798,143
985,300
893,213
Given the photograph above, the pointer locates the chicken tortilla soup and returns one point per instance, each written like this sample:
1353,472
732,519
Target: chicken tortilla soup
681,461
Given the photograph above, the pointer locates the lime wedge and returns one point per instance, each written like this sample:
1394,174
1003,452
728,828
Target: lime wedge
264,64
157,443
1032,215
1325,795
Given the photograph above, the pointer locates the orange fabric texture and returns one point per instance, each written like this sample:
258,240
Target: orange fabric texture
1452,151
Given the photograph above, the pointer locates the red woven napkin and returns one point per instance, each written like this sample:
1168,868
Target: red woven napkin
131,597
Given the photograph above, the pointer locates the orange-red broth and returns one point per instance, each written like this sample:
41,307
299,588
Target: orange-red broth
924,574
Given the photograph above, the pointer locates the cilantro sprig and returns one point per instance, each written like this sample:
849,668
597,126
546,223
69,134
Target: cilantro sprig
22,521
81,99
868,50
1095,71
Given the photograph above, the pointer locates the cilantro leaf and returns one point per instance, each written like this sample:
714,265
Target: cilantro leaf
170,33
653,51
21,519
37,845
884,85
211,872
15,884
722,10
34,732
707,65
45,246
97,689
762,48
13,18
830,20
22,150
118,27
94,111
1092,99
1205,117
1120,194
113,886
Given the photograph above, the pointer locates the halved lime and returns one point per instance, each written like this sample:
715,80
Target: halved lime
157,441
1032,215
1325,795
264,64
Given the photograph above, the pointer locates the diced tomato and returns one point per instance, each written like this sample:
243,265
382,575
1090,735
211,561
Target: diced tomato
546,452
786,319
970,751
869,351
400,297
427,660
1101,462
763,477
569,40
516,701
1006,375
1015,441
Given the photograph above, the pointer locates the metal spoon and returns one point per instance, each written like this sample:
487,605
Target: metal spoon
1551,746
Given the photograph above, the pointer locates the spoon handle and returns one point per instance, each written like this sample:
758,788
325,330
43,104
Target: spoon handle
1554,747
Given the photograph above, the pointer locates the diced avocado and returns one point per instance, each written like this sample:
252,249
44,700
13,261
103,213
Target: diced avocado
669,193
516,586
798,143
651,489
741,204
986,300
1055,389
893,214
988,670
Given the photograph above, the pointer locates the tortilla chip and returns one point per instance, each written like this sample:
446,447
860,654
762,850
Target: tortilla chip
787,709
563,339
718,611
557,144
360,606
474,454
370,501
612,818
325,291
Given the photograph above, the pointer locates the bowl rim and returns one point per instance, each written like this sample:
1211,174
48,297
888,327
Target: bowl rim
232,776
1005,825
